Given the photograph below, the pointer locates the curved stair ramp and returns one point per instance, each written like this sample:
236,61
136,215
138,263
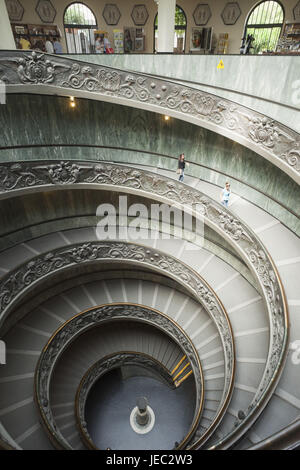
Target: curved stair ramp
284,248
117,339
257,299
235,301
153,295
174,245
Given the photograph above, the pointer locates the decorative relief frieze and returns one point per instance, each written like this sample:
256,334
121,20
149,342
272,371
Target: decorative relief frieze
111,14
292,156
231,13
202,14
35,69
63,173
21,176
139,15
34,271
252,129
96,317
46,11
15,10
17,176
296,11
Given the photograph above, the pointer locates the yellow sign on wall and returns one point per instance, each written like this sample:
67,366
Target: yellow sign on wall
221,65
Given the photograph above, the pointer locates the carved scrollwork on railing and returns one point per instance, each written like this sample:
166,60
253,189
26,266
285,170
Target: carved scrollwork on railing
27,276
267,137
96,317
35,69
16,176
106,364
127,179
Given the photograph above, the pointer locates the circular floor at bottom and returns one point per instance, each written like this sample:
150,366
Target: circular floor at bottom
112,399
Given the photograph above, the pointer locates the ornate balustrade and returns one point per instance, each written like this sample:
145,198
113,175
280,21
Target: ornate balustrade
98,316
106,364
22,177
39,73
30,275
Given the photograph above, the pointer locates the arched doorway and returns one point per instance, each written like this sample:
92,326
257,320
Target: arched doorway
264,23
79,23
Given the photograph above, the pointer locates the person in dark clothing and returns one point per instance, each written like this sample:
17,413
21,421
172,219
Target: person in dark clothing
181,166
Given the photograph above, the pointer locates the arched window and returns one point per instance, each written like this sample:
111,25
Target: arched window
264,24
79,23
179,32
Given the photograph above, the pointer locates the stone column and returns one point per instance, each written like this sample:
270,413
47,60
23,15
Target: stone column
166,25
7,40
142,416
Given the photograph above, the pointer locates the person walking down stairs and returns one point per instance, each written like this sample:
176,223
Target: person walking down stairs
181,166
225,194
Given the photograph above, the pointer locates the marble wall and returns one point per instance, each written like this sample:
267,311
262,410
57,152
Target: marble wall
267,84
105,131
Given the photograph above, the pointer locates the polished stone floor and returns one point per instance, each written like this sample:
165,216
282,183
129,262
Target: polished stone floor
112,399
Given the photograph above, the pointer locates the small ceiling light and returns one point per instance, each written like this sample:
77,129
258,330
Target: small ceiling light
71,98
72,104
167,118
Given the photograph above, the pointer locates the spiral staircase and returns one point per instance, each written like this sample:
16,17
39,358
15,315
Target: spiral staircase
206,321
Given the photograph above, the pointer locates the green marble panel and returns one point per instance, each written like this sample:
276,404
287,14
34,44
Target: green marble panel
131,135
267,84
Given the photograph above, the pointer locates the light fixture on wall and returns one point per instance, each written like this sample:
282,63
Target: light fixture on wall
166,118
72,102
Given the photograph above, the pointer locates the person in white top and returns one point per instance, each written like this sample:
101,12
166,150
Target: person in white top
225,194
99,44
49,46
